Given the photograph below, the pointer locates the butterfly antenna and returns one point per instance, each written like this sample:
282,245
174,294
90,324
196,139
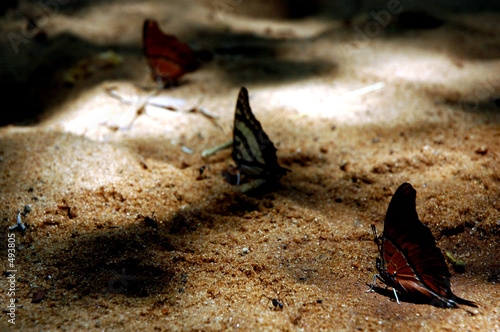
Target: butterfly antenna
376,239
374,231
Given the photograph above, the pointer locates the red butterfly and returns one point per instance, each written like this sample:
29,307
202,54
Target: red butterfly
409,260
168,57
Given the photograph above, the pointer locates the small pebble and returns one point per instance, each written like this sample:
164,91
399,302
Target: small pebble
482,150
38,296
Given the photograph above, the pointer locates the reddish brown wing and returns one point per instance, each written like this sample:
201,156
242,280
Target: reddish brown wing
415,239
410,252
402,276
405,278
167,57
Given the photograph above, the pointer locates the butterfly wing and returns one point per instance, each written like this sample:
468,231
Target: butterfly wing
167,57
415,241
409,251
253,151
398,273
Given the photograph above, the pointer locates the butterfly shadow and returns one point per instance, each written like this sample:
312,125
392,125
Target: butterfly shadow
388,292
385,291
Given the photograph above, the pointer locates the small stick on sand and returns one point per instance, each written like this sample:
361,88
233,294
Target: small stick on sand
139,109
208,152
174,105
364,90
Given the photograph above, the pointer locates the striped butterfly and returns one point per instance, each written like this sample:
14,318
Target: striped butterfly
253,151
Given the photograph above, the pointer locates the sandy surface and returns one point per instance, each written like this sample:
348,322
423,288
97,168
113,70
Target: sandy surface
124,233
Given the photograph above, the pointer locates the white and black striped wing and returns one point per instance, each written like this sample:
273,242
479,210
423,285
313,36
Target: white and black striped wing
253,151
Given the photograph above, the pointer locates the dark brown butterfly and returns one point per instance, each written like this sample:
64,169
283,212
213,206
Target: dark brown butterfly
409,260
253,151
168,58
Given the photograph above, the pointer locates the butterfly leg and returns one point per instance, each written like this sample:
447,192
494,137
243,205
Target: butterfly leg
373,284
396,296
238,176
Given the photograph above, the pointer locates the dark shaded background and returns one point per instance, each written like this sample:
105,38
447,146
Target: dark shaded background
30,78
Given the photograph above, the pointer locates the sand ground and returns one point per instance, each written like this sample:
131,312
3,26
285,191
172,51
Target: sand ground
124,233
